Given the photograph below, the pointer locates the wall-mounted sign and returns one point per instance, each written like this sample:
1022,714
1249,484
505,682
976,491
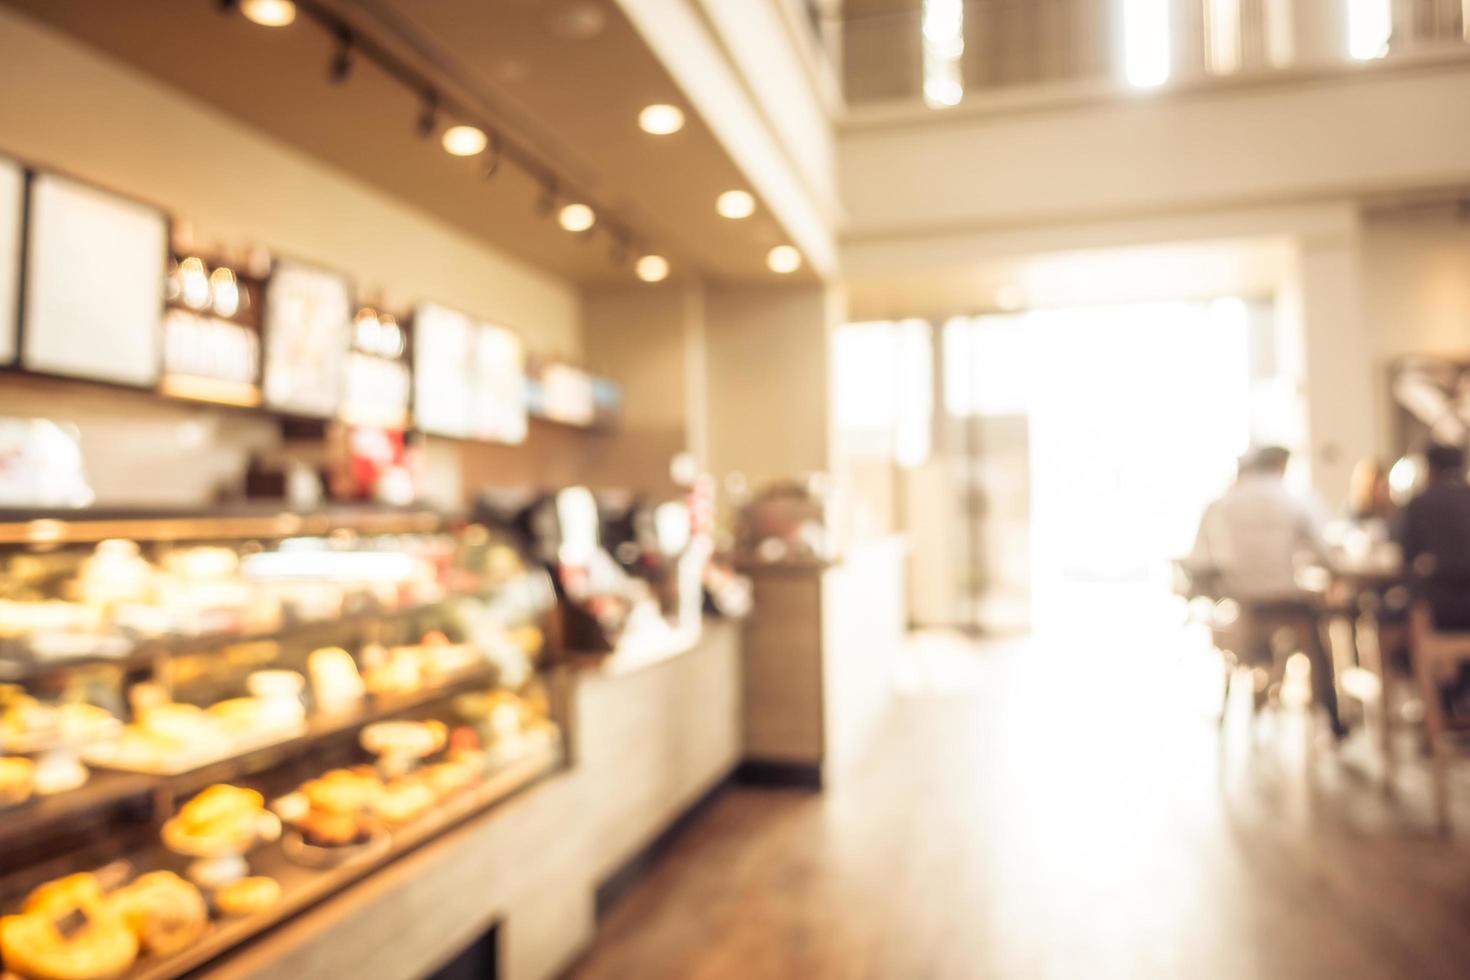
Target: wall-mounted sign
567,395
95,274
469,377
378,376
308,324
12,190
442,380
499,385
211,334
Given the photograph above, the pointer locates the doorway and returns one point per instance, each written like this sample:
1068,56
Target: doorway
1085,442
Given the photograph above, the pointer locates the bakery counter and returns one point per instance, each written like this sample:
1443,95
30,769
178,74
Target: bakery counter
642,747
820,649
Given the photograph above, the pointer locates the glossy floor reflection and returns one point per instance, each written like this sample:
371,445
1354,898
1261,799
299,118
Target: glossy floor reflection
1062,806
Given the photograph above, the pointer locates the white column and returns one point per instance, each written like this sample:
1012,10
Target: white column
1337,361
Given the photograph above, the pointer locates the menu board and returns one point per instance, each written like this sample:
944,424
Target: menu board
94,283
499,385
469,377
12,187
442,377
308,325
567,395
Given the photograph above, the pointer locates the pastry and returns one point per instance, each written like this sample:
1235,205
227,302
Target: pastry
327,829
17,780
221,820
447,778
403,801
247,896
184,723
414,739
28,724
78,945
57,898
343,791
400,673
164,911
335,682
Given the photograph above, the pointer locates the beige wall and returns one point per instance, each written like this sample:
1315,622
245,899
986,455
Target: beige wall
768,380
1301,139
650,339
64,105
1416,289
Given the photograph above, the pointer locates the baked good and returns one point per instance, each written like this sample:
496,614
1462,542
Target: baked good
17,780
247,896
177,722
335,681
414,739
28,724
343,791
77,945
403,801
164,911
223,819
56,898
400,673
447,778
327,829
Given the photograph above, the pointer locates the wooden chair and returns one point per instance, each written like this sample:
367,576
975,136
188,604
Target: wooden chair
1437,658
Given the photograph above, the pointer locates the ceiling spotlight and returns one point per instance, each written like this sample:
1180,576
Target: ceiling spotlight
496,156
735,205
341,68
652,268
660,119
464,141
429,117
576,217
783,259
269,13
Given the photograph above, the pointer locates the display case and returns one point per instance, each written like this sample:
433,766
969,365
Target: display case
209,724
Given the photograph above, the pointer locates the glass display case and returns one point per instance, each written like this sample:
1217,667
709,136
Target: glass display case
210,724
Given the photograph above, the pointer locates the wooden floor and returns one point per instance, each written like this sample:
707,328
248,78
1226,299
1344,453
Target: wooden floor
1060,808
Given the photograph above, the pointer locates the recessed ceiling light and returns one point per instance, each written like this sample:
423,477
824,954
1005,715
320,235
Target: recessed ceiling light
660,119
464,141
783,259
269,13
652,268
735,205
576,217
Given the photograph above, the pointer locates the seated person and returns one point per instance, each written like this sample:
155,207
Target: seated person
1435,536
1252,539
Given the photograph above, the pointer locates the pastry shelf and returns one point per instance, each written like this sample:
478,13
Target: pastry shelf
101,790
106,786
326,725
303,887
149,650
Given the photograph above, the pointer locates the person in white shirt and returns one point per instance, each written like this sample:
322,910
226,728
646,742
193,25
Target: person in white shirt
1253,540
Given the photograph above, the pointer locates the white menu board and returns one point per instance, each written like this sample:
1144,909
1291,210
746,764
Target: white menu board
94,284
12,187
499,385
443,348
308,327
567,395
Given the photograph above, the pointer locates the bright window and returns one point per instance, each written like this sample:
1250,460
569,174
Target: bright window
944,44
883,384
1370,26
1146,49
